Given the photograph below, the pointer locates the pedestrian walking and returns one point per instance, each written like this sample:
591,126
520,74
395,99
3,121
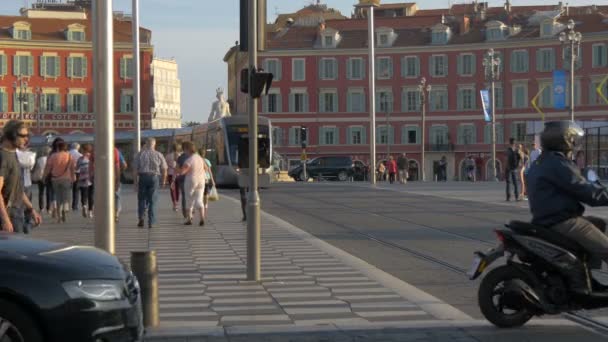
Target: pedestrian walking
524,156
381,172
178,183
171,159
392,169
75,153
535,152
513,160
85,180
121,166
194,170
209,180
27,160
402,164
443,169
15,203
60,168
469,165
149,173
47,179
37,177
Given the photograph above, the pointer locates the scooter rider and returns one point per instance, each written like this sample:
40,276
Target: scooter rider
556,189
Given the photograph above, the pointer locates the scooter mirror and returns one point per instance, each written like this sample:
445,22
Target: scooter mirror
591,176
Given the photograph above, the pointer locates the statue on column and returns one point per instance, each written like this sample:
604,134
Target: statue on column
219,108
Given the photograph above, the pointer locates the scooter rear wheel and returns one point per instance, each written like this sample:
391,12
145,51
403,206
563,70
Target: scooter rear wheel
492,301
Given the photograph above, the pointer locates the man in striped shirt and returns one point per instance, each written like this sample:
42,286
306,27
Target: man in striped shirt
150,168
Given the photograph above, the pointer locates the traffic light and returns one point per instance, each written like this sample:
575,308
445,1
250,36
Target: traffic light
303,136
261,81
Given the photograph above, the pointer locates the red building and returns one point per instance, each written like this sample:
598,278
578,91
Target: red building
49,47
321,79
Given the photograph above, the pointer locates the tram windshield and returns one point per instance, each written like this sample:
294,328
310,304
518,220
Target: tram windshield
238,138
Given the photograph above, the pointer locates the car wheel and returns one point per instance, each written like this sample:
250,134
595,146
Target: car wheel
342,176
16,325
302,178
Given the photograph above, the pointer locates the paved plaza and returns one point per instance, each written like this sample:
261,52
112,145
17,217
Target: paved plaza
310,291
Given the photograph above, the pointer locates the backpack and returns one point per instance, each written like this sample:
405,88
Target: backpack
513,159
38,171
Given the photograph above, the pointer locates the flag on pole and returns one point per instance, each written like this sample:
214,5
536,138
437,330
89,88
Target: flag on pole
559,89
486,105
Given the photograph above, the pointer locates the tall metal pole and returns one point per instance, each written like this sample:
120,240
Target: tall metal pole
253,200
21,100
235,110
572,56
423,135
103,44
136,77
372,95
494,176
388,135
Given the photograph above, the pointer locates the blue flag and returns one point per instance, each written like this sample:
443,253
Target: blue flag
485,104
559,89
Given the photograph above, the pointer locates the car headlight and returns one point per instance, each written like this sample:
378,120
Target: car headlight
101,290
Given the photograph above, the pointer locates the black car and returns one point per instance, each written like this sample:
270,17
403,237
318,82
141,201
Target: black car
57,292
340,168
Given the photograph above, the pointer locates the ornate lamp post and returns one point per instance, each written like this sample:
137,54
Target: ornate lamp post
573,39
424,89
20,88
491,65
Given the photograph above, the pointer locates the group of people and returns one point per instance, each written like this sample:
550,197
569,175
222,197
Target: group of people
519,161
187,172
393,170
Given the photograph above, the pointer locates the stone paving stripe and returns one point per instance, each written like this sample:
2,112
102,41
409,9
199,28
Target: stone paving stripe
331,321
373,314
168,307
235,294
345,279
317,311
317,294
353,284
243,301
380,306
188,314
339,291
180,292
224,277
183,299
254,318
297,289
184,286
367,297
224,308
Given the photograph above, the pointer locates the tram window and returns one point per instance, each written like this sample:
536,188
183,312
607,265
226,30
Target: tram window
242,152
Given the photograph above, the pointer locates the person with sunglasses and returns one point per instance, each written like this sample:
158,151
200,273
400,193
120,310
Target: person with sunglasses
14,202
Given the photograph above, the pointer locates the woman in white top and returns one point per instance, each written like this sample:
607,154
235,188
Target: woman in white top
37,178
194,169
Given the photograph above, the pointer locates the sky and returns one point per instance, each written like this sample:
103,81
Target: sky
198,33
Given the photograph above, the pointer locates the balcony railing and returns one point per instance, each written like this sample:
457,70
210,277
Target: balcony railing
440,147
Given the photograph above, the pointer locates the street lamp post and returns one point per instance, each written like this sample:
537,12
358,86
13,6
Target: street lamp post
573,39
20,89
236,79
491,64
424,89
370,5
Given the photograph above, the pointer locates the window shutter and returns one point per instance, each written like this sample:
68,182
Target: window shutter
30,65
292,137
334,69
85,103
487,134
322,69
305,102
15,103
432,66
279,136
403,67
417,64
526,61
349,66
16,66
43,66
363,68
512,61
377,67
123,68
459,64
460,99
473,64
349,135
123,104
4,101
291,103
57,67
404,130
57,103
3,64
42,103
404,102
279,103
418,135
265,104
390,68
70,103
349,105
279,71
460,138
84,66
604,61
336,136
445,65
473,99
70,68
28,35
321,135
322,108
592,93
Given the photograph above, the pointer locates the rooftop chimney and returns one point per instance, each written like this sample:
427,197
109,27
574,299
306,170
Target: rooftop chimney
465,25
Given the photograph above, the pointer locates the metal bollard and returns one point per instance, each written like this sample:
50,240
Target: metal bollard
145,269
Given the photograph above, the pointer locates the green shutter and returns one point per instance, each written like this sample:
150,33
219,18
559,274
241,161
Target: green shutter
417,64
391,134
363,135
58,108
265,104
123,68
2,64
16,65
349,106
390,68
322,103
349,135
291,103
363,68
84,66
349,66
70,105
321,135
43,103
460,100
57,67
292,137
85,103
5,102
123,103
279,98
321,67
336,136
42,66
604,61
473,64
279,71
512,61
403,67
30,65
539,61
460,63
432,66
70,69
306,103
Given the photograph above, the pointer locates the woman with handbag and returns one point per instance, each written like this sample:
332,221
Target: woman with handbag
60,169
194,183
210,189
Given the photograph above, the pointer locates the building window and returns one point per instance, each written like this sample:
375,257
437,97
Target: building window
383,41
466,65
384,68
499,95
298,102
518,131
487,133
22,34
545,60
467,134
77,67
496,33
594,97
519,61
3,101
328,136
355,69
577,94
328,41
328,69
328,102
439,137
384,134
273,66
271,103
294,136
600,55
466,99
126,68
298,69
126,103
49,66
50,103
355,101
384,101
277,136
3,65
356,135
439,66
438,99
410,100
76,36
520,96
410,135
546,96
78,103
547,29
439,37
410,66
566,58
23,66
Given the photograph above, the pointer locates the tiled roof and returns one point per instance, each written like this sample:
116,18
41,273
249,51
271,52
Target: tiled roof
53,29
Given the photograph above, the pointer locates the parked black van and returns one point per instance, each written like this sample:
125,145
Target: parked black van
340,168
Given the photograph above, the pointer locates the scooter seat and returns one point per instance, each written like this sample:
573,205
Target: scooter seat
528,229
